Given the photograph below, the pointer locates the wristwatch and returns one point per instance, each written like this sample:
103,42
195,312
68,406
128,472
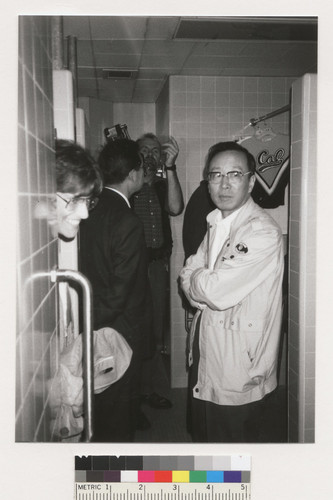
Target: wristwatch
172,168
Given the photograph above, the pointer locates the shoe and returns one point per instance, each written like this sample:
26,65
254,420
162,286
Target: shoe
142,422
156,401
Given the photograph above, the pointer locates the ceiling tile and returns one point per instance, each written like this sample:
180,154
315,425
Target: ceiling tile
76,26
146,44
144,97
84,46
84,73
161,27
110,61
204,62
229,62
202,72
85,57
171,62
308,49
167,48
118,27
264,48
215,48
117,84
118,91
88,89
111,46
126,46
151,73
147,85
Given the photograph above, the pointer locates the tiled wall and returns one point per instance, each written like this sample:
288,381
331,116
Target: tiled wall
36,344
302,279
203,111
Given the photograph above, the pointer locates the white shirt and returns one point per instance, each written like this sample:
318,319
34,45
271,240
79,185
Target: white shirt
221,234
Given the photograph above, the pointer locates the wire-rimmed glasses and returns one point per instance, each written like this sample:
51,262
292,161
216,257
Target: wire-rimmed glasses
90,201
234,176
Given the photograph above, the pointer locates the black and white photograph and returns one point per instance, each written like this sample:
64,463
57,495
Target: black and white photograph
167,214
166,228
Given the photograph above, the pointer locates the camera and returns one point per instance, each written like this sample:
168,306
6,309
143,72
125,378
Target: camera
150,165
116,132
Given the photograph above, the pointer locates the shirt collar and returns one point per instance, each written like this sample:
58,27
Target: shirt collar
216,217
121,194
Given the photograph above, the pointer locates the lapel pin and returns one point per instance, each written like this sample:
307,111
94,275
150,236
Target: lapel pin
242,248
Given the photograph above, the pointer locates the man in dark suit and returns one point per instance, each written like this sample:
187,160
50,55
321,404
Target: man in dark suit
113,257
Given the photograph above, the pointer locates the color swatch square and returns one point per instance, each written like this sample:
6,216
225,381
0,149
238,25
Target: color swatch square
95,476
198,476
215,476
146,476
180,476
80,476
112,476
163,476
129,476
233,476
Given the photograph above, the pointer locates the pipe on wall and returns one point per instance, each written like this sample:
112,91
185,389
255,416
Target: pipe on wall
72,63
57,43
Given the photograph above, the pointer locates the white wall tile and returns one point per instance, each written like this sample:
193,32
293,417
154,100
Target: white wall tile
36,302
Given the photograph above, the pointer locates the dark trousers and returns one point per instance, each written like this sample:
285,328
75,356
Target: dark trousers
213,423
159,283
116,408
153,368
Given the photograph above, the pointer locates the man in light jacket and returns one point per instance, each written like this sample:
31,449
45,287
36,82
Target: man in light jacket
235,282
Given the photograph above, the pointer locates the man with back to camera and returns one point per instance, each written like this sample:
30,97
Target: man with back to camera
113,257
235,282
158,199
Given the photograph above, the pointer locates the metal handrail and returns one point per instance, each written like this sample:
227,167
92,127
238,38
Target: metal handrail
87,343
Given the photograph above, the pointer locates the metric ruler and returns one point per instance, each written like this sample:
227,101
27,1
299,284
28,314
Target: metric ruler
162,478
162,491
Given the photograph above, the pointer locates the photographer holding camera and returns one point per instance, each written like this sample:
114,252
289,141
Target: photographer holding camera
160,197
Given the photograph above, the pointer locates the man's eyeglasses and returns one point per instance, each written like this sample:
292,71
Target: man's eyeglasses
234,176
89,201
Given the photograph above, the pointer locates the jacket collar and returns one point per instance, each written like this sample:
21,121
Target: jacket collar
244,213
108,189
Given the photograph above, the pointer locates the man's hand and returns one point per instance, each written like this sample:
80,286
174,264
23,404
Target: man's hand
170,149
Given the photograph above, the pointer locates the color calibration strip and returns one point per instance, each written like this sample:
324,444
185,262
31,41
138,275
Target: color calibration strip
163,469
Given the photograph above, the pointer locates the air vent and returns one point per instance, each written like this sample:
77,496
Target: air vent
117,74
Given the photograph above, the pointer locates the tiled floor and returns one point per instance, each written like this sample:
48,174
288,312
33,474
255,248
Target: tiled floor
167,426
